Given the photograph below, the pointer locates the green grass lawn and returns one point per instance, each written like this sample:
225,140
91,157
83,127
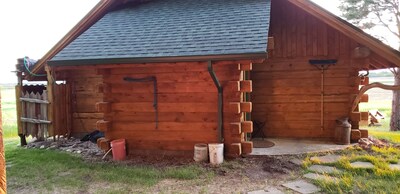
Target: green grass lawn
8,112
47,171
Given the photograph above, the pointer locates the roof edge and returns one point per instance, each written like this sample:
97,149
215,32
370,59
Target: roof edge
91,17
347,28
159,59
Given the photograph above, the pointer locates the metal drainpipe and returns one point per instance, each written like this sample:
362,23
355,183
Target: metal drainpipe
220,101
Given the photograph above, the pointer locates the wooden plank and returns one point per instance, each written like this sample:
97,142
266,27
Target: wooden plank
234,107
289,116
18,108
34,100
50,96
364,81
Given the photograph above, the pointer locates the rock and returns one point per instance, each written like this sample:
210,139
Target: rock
42,147
394,166
68,150
326,159
365,165
79,152
296,161
324,169
302,186
315,176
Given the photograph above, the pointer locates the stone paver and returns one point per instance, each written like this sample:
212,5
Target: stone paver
366,165
302,186
315,176
326,159
394,166
324,169
296,161
271,190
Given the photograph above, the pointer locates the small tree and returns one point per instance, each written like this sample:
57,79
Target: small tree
368,14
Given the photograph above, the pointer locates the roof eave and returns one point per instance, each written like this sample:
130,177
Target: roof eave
244,56
343,26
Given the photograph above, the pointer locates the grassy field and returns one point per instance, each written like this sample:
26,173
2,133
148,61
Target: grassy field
8,111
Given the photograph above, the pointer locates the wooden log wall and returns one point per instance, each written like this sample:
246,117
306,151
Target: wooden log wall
84,95
287,89
187,106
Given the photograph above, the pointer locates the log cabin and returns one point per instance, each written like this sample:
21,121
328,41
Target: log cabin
165,75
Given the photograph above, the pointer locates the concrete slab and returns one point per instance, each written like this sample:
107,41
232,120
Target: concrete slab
302,186
365,165
394,166
315,176
296,146
331,158
324,169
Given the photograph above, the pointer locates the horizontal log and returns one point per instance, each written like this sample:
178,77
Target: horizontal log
355,116
290,65
304,98
228,75
184,117
236,128
304,82
309,90
87,115
287,127
295,116
302,107
82,125
246,107
161,135
364,98
168,107
34,100
245,66
103,126
166,126
300,133
364,116
247,126
35,121
308,74
247,147
103,107
234,150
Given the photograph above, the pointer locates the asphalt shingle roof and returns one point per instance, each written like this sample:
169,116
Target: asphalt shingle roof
175,28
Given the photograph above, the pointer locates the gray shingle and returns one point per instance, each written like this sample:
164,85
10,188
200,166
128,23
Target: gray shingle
170,28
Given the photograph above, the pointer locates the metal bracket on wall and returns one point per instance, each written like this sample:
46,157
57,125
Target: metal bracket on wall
155,97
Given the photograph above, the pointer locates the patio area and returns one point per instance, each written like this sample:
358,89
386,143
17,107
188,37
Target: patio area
294,147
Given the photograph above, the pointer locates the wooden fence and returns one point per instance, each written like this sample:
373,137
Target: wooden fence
34,116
